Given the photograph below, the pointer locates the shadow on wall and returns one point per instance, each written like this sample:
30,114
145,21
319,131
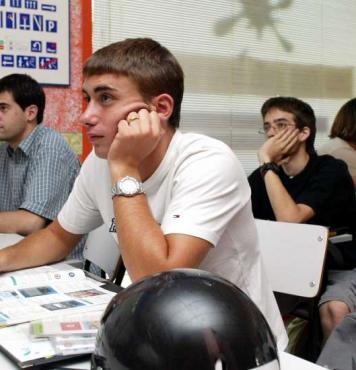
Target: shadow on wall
259,14
243,75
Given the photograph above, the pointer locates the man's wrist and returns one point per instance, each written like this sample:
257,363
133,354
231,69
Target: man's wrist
127,187
119,171
3,262
264,157
268,166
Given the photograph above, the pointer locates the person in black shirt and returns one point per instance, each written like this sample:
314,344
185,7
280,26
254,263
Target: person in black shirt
319,186
294,184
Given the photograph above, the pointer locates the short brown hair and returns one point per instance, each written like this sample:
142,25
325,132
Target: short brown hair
147,63
303,115
25,91
344,125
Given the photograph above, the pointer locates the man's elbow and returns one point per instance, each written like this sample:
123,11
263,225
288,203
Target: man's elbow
290,218
31,224
298,216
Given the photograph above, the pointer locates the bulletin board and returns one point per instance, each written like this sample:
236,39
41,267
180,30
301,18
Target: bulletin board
34,39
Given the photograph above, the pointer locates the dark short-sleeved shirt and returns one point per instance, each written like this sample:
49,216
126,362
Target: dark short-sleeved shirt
38,176
325,185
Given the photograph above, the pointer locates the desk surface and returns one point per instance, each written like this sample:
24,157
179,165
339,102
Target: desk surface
288,362
9,239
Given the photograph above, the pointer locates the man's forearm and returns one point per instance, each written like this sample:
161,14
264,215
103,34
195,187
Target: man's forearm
283,205
143,246
20,222
45,246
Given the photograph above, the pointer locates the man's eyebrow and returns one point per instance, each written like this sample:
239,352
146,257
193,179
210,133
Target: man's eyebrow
280,120
100,88
277,120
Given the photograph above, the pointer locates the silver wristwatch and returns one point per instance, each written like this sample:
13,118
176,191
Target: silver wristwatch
127,187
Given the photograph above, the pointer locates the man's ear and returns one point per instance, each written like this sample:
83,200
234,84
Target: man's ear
163,104
31,112
304,134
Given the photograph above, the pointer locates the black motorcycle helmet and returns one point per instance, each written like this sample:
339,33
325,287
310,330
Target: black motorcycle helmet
184,319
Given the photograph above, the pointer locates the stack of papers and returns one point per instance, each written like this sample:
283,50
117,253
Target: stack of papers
69,334
49,311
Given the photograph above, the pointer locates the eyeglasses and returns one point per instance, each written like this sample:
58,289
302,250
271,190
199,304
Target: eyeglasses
278,126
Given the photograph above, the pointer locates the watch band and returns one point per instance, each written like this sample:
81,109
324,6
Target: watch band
127,187
269,166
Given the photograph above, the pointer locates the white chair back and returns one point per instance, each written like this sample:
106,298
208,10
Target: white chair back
293,255
101,248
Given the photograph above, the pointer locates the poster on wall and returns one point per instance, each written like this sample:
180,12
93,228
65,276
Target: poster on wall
34,39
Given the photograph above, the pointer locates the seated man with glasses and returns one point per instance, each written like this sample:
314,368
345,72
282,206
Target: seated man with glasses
293,183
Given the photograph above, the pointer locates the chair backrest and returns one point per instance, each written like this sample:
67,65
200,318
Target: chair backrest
293,255
102,250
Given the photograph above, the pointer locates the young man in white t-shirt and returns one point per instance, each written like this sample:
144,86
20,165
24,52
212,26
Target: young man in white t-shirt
172,200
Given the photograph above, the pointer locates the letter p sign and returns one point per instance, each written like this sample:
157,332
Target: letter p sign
51,26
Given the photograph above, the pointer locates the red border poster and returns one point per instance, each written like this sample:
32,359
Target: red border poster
34,39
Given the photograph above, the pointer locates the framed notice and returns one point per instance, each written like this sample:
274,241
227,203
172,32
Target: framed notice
34,39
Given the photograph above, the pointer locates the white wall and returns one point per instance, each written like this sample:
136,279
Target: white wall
236,54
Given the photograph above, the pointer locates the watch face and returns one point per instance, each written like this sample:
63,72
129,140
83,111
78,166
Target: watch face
129,186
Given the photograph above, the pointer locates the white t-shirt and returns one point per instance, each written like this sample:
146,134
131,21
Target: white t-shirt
199,189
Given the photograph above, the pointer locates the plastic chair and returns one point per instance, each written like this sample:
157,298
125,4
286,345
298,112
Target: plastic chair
102,250
294,257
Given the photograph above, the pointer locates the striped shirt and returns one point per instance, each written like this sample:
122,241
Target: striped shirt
39,174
